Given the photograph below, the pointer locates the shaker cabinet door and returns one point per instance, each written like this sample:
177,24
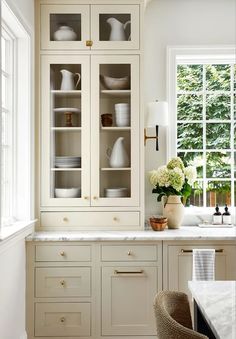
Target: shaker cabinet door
65,136
115,132
64,26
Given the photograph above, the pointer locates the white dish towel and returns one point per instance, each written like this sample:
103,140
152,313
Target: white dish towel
203,264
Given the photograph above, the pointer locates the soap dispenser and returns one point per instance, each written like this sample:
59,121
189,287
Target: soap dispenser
226,216
217,217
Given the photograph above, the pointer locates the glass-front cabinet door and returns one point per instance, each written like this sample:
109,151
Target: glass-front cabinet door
115,130
64,26
65,110
115,26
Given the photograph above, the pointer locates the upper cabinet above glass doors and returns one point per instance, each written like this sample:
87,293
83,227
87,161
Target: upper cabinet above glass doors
74,27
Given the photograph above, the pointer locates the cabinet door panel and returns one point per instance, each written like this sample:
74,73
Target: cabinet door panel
115,156
115,26
127,299
60,22
65,159
180,265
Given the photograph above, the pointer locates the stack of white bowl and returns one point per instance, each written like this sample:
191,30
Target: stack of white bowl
73,192
122,114
119,192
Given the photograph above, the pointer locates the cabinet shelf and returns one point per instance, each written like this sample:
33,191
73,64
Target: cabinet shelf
57,169
116,93
116,128
115,168
75,93
69,129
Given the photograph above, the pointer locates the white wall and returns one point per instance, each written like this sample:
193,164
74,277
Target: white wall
179,23
12,259
12,292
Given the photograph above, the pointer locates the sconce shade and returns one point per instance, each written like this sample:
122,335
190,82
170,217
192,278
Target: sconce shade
157,114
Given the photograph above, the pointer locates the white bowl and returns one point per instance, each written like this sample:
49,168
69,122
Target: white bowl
115,83
74,192
120,192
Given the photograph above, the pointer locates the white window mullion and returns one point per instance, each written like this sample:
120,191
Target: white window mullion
205,182
232,132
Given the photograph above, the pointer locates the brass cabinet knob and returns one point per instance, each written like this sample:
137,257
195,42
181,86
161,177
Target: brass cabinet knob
65,219
129,252
62,319
115,219
62,282
95,198
62,253
89,43
86,198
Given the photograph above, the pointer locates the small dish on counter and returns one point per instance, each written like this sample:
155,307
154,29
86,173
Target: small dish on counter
158,223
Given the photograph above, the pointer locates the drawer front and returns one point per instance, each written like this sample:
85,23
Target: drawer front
89,220
62,319
63,282
129,253
63,253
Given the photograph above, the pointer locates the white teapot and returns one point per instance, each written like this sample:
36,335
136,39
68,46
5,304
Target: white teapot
118,156
65,33
68,82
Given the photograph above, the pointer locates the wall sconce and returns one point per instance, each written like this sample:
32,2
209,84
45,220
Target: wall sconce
157,115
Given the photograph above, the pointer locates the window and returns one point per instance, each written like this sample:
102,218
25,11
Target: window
7,128
15,121
203,101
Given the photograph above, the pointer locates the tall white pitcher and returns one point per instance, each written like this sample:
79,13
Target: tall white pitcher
68,80
117,29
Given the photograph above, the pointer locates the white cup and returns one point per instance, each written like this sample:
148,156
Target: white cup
122,107
123,121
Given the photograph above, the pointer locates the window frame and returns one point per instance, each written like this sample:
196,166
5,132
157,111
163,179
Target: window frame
193,55
23,109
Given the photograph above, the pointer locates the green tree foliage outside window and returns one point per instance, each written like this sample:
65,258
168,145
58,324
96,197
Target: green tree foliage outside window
206,129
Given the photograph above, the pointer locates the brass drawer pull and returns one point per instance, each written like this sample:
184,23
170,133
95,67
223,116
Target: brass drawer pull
62,283
220,250
65,219
128,272
129,252
62,253
62,319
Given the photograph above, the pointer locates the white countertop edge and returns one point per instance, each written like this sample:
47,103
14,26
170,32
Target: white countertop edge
183,233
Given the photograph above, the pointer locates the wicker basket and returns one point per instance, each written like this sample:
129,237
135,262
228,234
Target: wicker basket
158,224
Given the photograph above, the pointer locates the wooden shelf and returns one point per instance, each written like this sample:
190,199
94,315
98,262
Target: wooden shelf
60,169
116,128
75,93
115,168
116,93
65,129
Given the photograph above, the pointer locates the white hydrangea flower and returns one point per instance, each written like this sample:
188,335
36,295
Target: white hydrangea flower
153,177
176,178
163,178
190,174
175,162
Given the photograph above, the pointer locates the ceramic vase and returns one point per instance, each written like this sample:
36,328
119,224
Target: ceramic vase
173,209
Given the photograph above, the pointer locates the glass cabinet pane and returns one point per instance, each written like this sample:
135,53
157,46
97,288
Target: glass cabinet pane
65,27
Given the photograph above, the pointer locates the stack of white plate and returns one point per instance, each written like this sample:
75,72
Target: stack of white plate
68,162
119,192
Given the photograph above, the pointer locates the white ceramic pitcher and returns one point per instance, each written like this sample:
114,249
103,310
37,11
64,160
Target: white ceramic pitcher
117,29
68,82
118,156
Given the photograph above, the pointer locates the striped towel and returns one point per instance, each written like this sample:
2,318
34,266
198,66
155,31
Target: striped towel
203,264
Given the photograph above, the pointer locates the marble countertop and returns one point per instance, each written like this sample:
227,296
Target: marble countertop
217,302
183,233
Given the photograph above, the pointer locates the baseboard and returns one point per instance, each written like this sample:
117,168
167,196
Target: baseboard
23,336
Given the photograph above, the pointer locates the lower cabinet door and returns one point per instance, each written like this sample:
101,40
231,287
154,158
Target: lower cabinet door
62,319
127,300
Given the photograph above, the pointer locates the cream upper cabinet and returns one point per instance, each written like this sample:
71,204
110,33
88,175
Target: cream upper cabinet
78,26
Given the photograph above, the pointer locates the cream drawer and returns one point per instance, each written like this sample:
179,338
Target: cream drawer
129,252
63,282
63,253
87,219
62,319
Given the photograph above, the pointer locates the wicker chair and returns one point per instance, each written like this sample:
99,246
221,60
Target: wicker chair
173,316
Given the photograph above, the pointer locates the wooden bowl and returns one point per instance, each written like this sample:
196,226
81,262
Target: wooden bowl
158,224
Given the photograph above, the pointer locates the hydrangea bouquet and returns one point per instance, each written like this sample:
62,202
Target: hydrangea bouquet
173,179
